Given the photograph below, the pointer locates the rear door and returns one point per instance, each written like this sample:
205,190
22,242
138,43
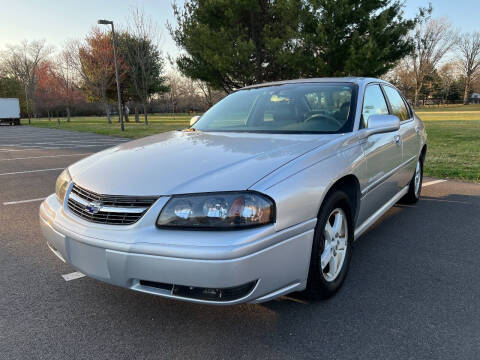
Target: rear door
408,135
383,154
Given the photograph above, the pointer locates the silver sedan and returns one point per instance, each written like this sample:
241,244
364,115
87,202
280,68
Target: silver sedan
263,195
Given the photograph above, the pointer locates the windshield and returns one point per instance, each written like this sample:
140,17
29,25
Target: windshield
289,108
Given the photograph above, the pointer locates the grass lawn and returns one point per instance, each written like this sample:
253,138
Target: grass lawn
453,136
450,107
453,144
133,130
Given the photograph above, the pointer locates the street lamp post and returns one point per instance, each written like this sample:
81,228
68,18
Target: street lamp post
108,22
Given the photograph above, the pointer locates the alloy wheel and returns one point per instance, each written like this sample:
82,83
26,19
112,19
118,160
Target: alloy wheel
335,244
418,178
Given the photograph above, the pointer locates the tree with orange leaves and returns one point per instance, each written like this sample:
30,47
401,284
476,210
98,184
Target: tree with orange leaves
56,88
47,93
97,69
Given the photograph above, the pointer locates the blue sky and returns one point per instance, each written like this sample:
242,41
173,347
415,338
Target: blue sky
61,20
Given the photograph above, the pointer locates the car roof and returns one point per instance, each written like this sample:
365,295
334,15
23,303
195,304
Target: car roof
356,80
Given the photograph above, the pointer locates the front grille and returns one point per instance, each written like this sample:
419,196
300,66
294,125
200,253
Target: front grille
108,209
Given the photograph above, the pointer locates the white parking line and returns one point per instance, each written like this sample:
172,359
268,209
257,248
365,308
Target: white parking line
13,150
73,276
63,146
25,148
30,171
31,149
61,140
56,147
41,137
44,156
65,141
22,201
433,182
47,146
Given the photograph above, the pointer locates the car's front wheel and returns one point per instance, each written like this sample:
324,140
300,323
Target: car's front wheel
332,247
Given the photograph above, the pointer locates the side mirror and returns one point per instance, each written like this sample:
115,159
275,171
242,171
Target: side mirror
194,119
379,124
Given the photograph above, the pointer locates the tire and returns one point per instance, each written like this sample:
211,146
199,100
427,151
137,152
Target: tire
415,187
324,280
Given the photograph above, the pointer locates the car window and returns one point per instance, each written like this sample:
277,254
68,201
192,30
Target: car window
289,108
396,102
373,104
234,113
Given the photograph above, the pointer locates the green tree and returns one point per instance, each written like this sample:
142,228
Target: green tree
232,43
354,37
145,67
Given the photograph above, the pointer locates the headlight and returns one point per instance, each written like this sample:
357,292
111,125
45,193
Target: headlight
62,184
217,211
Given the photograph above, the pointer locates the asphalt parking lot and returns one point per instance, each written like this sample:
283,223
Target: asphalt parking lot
413,291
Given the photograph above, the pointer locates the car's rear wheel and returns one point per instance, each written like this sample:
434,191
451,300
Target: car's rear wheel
415,187
332,247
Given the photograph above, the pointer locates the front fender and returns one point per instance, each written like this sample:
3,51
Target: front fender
299,196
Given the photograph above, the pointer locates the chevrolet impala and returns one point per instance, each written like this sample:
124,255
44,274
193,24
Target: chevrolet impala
263,195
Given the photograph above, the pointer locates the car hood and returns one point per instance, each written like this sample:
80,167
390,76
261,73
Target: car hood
182,162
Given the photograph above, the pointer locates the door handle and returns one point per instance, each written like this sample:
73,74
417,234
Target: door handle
397,139
417,130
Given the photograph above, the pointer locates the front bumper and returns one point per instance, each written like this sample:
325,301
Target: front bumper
137,255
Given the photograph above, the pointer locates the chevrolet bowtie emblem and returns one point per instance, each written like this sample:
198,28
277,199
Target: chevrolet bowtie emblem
93,207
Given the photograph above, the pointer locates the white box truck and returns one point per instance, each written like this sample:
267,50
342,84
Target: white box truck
9,111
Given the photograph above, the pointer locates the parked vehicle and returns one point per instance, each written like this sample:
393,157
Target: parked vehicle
262,196
9,111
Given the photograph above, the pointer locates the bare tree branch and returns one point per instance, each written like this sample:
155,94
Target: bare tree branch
21,62
469,60
143,57
433,40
